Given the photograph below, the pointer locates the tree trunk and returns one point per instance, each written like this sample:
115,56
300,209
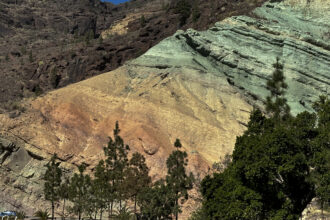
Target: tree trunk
53,207
176,211
135,204
177,206
111,205
109,210
63,208
322,214
101,211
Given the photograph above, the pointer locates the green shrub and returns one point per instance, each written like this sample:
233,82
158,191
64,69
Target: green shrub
183,8
31,56
20,215
198,214
37,90
43,215
124,214
142,21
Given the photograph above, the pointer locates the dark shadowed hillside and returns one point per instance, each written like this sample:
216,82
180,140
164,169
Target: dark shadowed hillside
46,44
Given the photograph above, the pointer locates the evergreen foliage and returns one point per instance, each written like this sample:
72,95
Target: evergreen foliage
102,187
137,177
157,202
177,180
276,103
143,21
164,198
116,165
321,158
52,184
64,194
278,165
43,215
79,192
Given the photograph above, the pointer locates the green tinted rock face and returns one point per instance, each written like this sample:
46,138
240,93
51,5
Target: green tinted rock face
242,50
199,66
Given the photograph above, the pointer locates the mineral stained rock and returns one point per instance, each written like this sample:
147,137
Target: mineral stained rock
196,86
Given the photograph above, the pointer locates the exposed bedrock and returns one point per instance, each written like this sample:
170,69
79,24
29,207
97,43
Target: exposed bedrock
242,49
196,86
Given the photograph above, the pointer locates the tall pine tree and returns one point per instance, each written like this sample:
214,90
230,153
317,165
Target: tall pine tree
177,180
102,187
52,179
137,177
276,103
64,194
79,189
321,158
116,164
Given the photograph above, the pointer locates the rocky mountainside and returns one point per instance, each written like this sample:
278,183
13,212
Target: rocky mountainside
196,86
50,44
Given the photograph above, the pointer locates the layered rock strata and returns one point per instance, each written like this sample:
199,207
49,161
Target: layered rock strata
196,86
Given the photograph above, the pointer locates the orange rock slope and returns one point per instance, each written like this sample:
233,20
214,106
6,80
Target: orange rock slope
153,107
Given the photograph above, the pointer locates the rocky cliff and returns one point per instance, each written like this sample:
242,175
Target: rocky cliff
49,44
196,86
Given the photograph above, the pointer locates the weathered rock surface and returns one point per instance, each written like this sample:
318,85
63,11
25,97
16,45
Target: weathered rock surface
49,44
242,49
196,86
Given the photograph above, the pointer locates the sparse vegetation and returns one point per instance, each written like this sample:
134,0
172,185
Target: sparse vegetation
54,78
100,40
118,179
20,215
88,37
43,215
14,106
23,50
183,8
31,56
142,21
37,90
222,164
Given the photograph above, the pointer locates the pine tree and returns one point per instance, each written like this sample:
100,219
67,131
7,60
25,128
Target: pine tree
276,103
137,177
52,179
321,158
156,202
116,164
64,194
80,192
176,179
102,187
